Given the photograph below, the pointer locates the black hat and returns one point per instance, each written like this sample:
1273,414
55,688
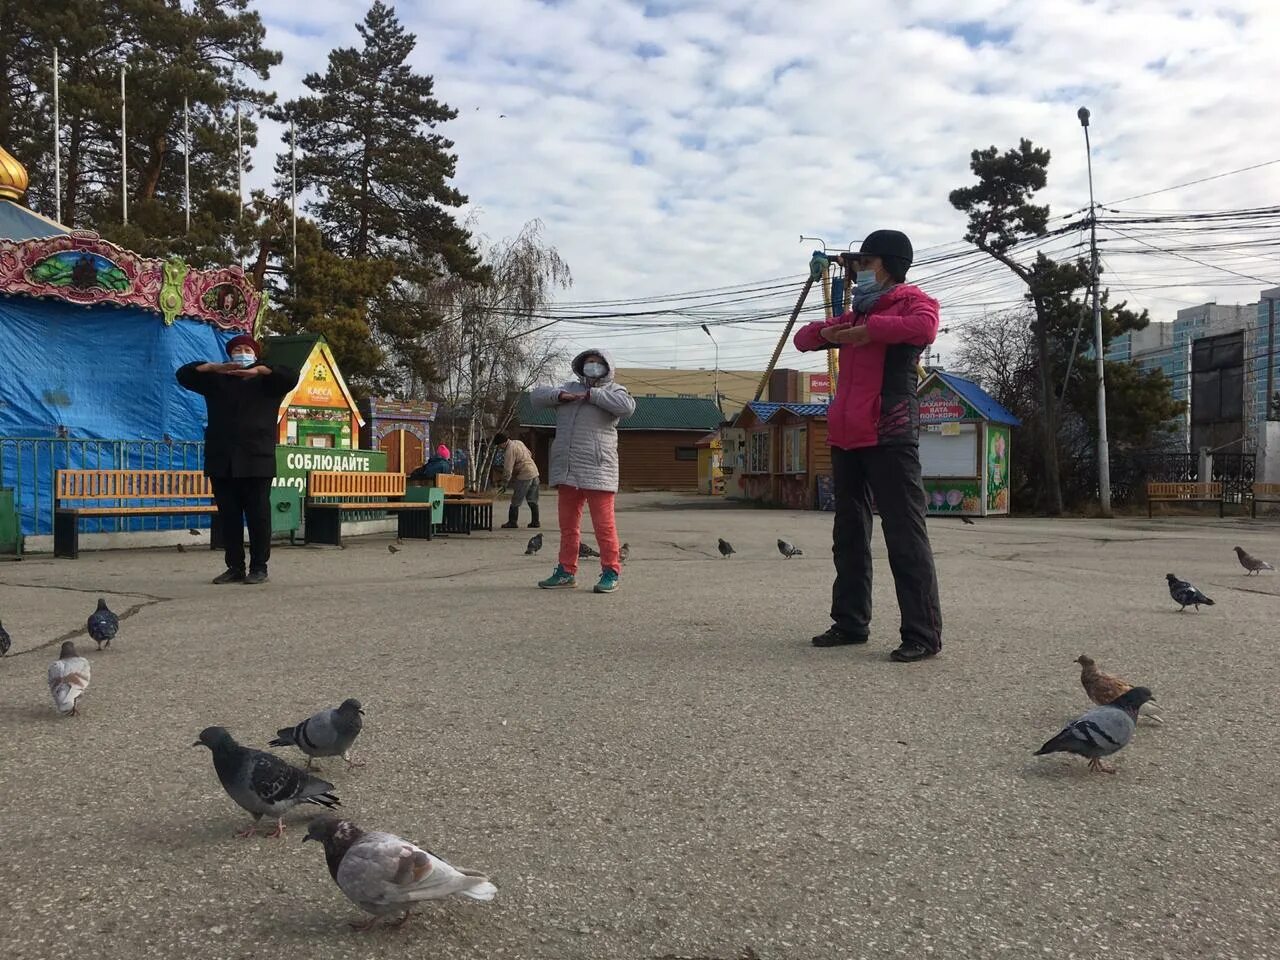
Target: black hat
891,246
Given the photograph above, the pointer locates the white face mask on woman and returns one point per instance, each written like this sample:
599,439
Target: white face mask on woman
594,370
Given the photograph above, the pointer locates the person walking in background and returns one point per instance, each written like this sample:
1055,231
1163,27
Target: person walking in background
521,473
242,399
584,463
873,431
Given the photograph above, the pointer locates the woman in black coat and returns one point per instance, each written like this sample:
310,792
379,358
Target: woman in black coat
243,401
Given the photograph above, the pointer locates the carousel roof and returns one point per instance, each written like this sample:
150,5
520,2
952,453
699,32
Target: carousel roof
16,221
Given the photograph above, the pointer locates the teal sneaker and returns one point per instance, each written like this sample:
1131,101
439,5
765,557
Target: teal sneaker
560,580
608,582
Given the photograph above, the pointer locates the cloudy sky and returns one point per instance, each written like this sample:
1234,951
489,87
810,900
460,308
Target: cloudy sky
680,145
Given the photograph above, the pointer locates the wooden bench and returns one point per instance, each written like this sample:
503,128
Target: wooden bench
462,513
1184,493
117,493
1264,493
331,492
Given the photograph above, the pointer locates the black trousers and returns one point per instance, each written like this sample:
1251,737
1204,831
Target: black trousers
892,475
241,501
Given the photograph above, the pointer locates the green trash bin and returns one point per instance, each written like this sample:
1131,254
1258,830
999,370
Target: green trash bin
286,512
10,531
415,493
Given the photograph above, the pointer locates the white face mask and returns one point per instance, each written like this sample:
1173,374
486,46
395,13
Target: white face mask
594,370
244,359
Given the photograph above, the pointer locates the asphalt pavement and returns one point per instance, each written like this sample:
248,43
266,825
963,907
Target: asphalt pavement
671,771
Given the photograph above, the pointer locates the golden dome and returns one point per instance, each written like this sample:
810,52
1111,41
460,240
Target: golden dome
13,177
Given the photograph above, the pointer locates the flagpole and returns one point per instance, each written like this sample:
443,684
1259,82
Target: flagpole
293,166
186,159
57,146
124,154
239,167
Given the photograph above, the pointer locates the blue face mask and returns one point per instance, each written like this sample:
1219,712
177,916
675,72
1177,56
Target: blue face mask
244,359
866,281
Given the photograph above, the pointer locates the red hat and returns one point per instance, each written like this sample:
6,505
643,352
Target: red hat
244,340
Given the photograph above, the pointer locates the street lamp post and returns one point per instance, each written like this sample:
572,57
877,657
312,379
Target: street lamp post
707,331
1104,452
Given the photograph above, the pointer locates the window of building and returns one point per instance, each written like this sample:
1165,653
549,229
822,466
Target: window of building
794,443
687,396
758,452
686,453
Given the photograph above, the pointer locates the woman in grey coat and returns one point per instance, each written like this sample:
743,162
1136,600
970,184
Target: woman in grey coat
584,463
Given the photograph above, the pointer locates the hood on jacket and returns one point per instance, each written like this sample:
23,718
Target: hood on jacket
603,354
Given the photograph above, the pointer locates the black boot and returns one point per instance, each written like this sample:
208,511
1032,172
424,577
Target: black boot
533,512
513,519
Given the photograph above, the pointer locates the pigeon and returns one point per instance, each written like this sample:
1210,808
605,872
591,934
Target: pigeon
1102,688
68,678
384,874
261,782
103,624
193,531
181,548
1185,594
392,548
788,550
535,544
966,520
1100,732
624,554
585,551
1251,563
329,733
5,641
725,547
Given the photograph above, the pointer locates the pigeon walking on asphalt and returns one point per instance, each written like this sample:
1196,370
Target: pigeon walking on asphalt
967,521
103,625
329,733
392,548
261,782
5,641
68,679
181,548
725,547
384,874
585,551
535,544
1185,595
1101,731
1103,688
789,550
625,552
1251,563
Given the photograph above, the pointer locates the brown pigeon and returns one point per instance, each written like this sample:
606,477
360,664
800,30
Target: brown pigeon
1103,688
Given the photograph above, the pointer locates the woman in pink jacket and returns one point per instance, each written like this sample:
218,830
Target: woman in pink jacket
873,426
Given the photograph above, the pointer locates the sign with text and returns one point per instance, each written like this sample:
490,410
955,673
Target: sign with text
940,405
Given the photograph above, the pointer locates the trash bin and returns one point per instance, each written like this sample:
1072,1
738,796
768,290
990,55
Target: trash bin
10,532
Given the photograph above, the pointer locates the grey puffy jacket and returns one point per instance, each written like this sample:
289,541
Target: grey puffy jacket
584,453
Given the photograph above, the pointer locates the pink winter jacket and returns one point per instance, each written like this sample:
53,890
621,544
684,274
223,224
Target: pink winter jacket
876,390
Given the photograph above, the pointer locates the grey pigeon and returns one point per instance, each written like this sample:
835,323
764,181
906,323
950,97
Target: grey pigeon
1102,731
585,551
329,733
68,678
1251,563
1185,595
789,550
193,531
384,874
966,520
625,552
392,548
181,548
535,544
103,625
725,547
261,782
5,642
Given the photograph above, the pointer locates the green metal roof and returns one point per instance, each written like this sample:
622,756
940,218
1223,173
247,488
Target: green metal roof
292,351
652,413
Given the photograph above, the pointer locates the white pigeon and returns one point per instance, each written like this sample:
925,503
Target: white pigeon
384,874
68,679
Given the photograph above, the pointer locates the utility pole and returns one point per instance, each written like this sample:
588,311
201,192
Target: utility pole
707,331
124,155
57,145
1104,450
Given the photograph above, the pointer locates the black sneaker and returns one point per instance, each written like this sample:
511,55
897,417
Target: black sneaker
510,526
911,652
256,576
835,637
230,576
535,525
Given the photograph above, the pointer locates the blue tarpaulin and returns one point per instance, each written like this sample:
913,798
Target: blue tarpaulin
93,373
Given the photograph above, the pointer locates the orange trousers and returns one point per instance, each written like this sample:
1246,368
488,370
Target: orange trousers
600,503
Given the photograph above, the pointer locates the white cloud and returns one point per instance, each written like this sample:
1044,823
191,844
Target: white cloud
758,122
